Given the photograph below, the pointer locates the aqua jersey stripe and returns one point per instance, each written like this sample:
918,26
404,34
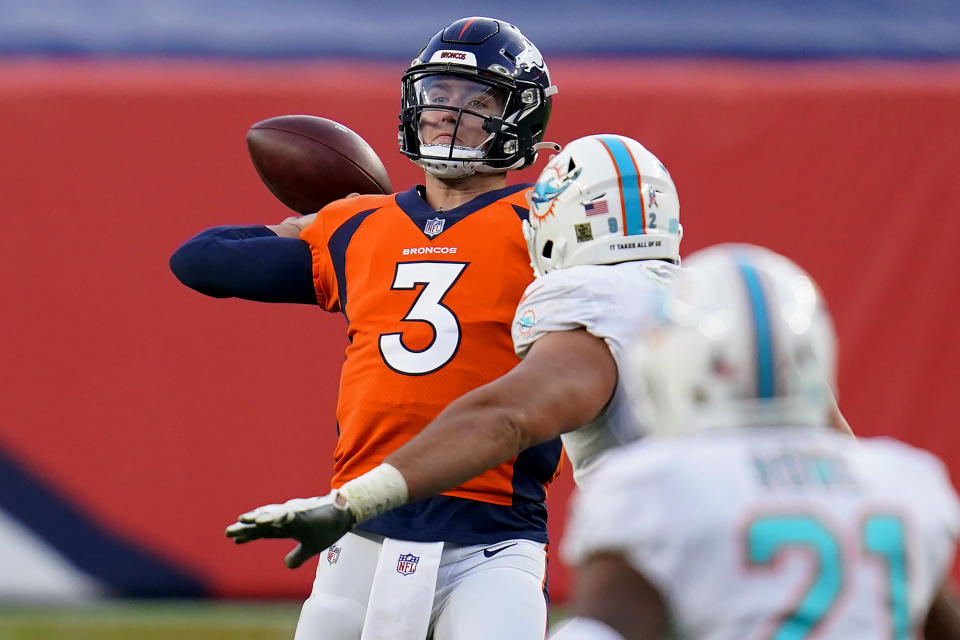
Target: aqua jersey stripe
761,326
629,185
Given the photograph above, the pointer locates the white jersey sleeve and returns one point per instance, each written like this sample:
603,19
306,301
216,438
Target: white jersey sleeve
743,534
599,298
611,302
558,301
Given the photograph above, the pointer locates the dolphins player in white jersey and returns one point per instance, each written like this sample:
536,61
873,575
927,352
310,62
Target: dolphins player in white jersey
756,519
604,240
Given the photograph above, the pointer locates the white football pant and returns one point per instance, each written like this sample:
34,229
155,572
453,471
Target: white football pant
482,591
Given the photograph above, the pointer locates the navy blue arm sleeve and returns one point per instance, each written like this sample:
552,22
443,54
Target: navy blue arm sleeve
252,263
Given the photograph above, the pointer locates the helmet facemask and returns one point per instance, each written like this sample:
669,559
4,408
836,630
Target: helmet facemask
457,123
452,117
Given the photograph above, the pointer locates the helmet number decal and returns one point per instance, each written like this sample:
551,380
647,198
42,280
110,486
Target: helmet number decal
653,221
435,279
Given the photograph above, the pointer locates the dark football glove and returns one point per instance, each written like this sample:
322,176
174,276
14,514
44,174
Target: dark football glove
315,523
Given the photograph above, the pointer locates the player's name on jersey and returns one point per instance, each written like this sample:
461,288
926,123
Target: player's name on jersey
792,469
419,251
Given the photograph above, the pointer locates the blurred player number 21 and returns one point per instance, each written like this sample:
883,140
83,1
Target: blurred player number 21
881,536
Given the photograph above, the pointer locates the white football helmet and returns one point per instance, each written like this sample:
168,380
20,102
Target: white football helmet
603,199
744,339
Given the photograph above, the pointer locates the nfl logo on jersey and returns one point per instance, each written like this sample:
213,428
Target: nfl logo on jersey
407,564
333,554
433,226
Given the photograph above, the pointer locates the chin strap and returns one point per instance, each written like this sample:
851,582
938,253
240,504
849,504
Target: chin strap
465,161
447,170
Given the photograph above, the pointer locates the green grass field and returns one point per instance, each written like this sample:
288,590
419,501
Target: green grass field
154,620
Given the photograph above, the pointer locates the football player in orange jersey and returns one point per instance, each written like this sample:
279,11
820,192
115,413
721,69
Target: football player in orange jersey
429,315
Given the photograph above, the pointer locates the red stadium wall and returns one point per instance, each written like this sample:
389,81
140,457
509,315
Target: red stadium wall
164,414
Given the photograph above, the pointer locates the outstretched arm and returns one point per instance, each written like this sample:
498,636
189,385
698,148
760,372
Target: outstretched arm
565,381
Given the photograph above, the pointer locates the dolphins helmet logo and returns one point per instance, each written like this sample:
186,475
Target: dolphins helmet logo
551,184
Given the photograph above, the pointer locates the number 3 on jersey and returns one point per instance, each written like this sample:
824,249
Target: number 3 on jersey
436,278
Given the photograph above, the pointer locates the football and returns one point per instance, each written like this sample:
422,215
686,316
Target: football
308,161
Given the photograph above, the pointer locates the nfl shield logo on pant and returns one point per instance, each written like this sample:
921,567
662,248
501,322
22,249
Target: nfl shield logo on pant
407,564
333,554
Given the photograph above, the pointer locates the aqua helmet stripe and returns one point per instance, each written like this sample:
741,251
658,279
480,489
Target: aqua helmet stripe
763,339
634,219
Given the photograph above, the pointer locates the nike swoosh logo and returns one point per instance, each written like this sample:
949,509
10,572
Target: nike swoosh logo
489,553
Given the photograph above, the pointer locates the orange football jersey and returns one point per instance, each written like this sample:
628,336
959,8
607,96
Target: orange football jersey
429,298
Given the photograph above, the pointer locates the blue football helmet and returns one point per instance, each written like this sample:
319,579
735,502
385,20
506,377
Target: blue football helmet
476,98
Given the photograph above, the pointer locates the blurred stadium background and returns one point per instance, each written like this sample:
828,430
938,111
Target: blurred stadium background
139,418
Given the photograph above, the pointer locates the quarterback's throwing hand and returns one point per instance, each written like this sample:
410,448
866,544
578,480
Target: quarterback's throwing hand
315,523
